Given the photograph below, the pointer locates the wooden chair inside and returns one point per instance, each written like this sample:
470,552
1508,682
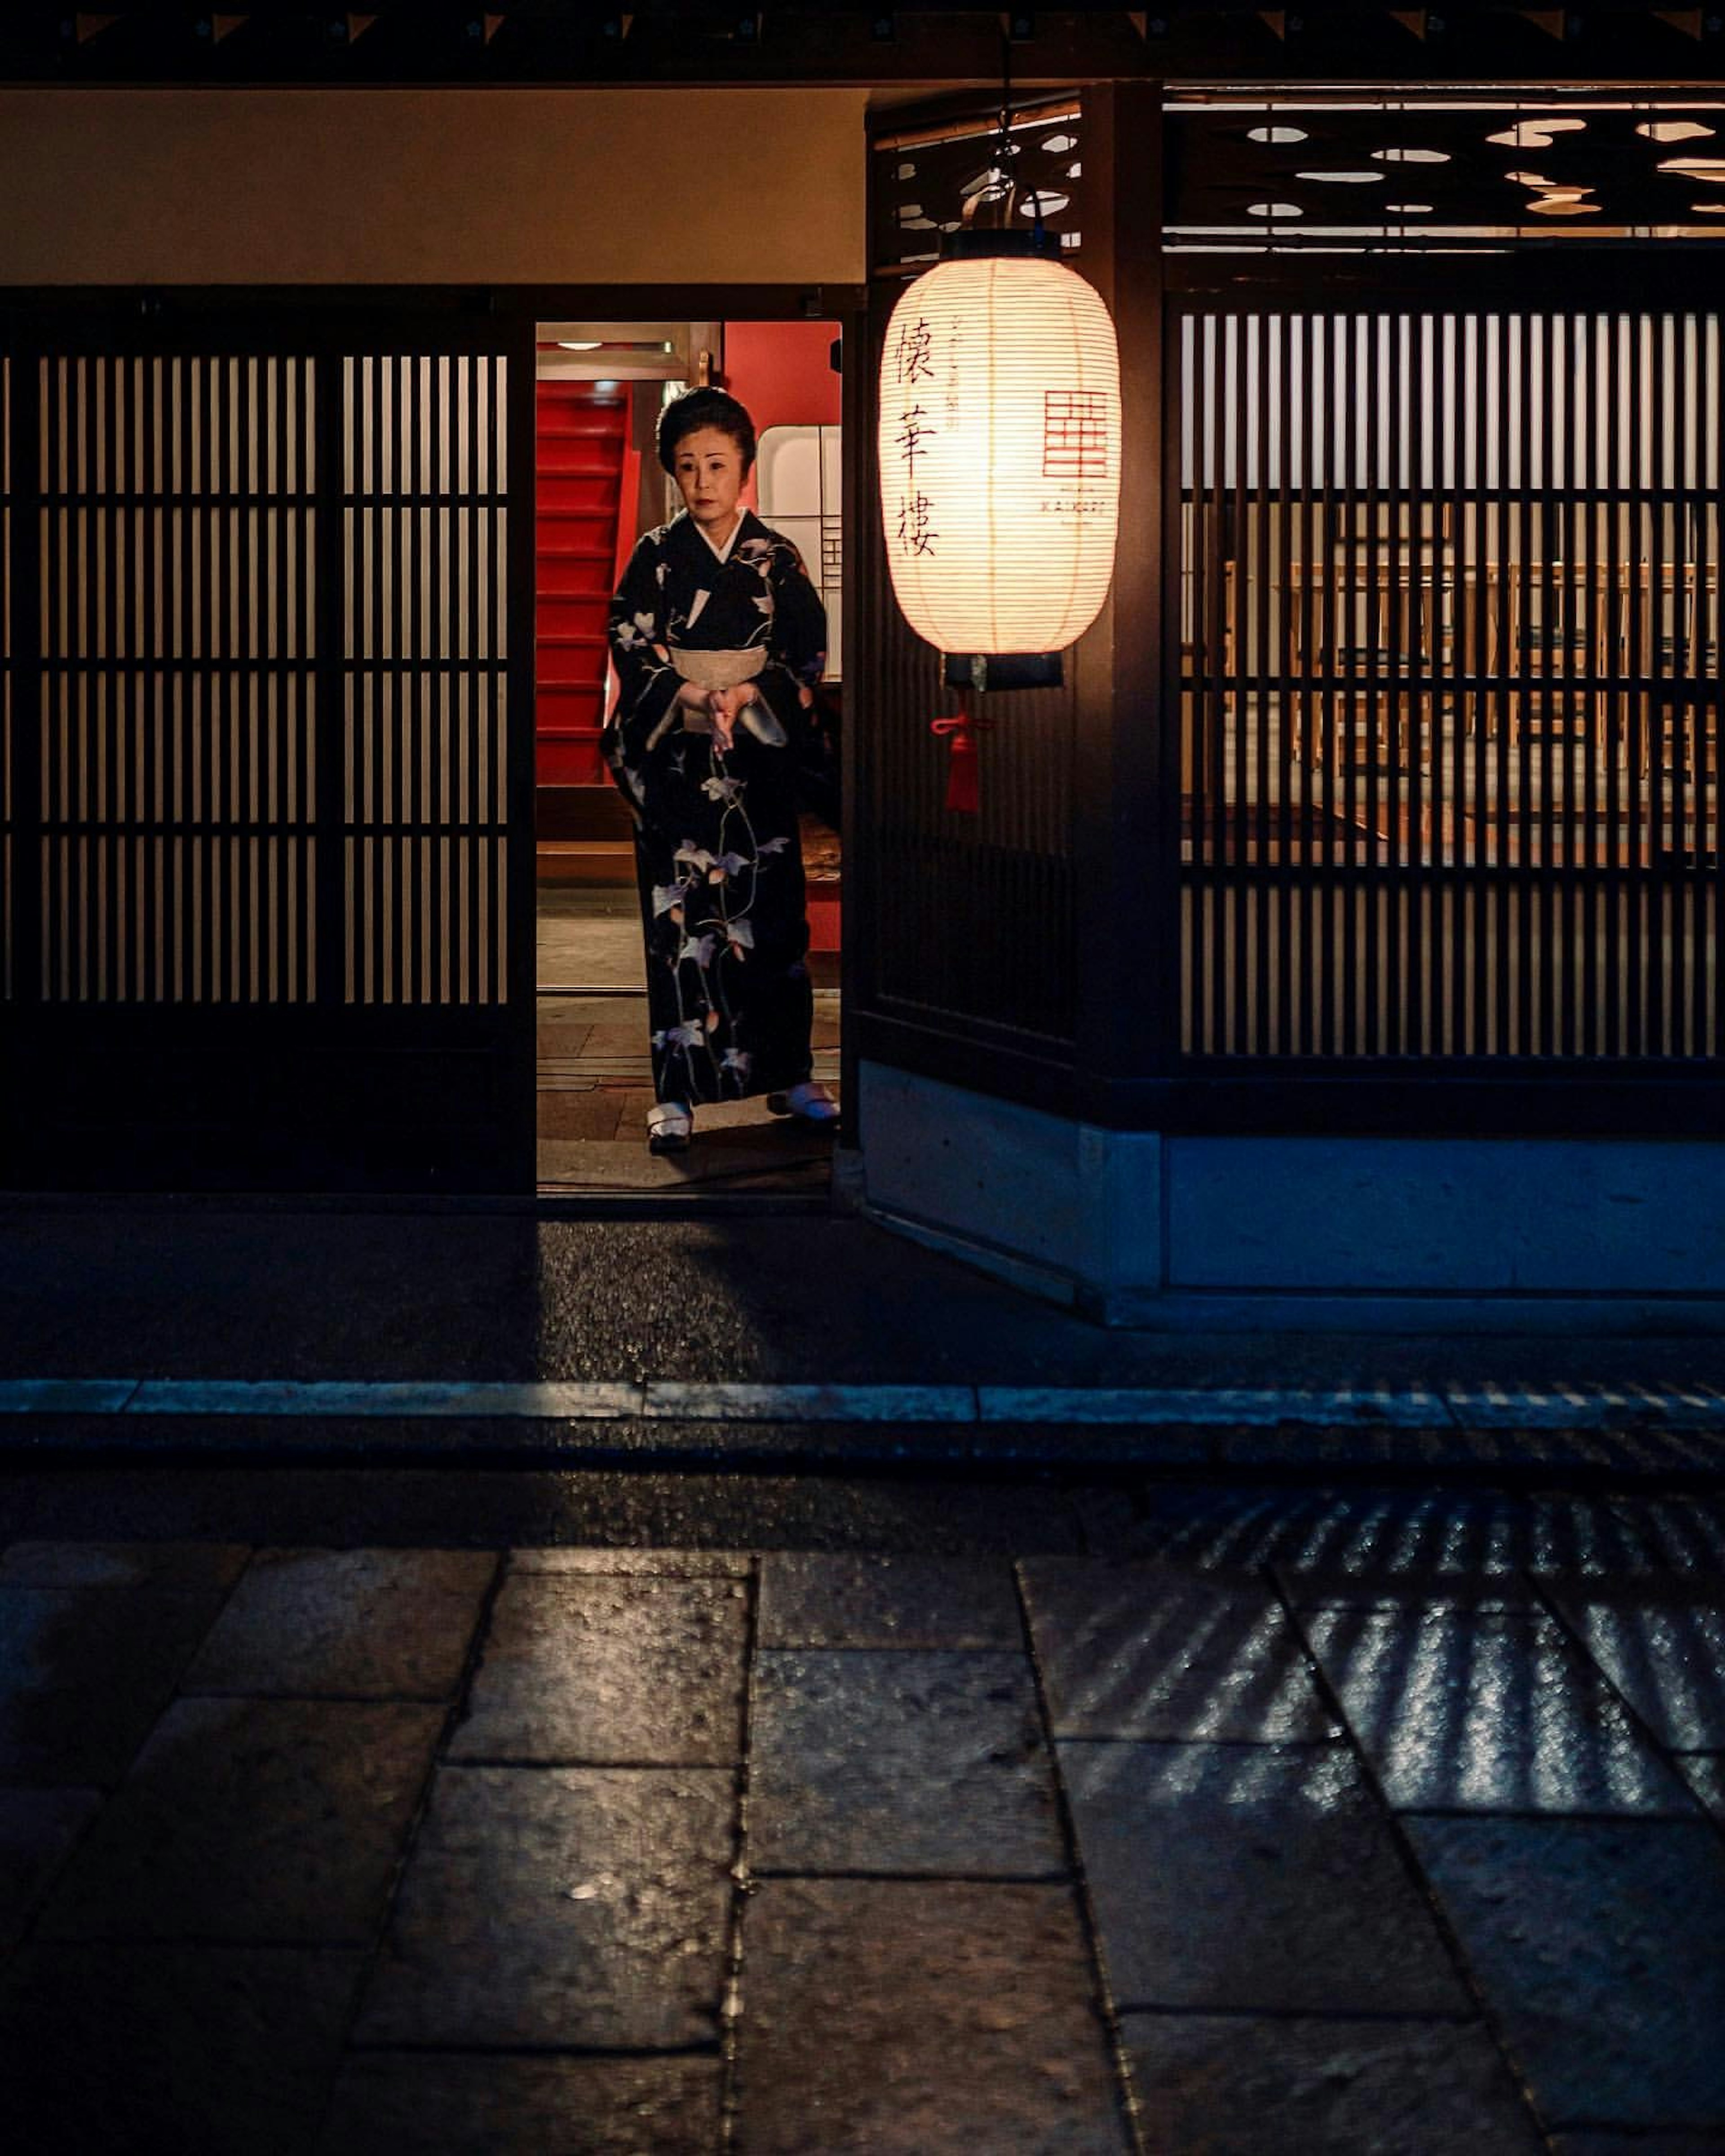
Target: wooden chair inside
1557,622
1368,645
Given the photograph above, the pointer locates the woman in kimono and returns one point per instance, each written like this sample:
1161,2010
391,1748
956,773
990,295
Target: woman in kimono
718,637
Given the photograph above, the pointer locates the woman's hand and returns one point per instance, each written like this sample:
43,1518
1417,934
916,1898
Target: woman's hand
727,706
694,697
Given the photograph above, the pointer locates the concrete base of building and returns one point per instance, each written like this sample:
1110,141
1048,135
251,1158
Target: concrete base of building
1136,1228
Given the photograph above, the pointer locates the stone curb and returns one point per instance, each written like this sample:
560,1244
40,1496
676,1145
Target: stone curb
1629,1432
1436,1407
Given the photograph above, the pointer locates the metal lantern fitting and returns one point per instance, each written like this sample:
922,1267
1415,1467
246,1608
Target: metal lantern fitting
1000,450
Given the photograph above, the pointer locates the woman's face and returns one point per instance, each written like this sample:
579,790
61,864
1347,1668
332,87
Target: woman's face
707,465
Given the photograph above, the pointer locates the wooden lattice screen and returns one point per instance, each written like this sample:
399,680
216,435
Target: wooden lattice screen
1450,682
260,926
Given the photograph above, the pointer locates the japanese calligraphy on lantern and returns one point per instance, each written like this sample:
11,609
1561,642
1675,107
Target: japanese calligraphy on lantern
913,365
916,529
915,353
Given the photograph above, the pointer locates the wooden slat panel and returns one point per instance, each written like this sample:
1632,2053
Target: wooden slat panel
176,718
425,714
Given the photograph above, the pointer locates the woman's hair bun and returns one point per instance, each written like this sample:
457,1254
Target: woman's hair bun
696,409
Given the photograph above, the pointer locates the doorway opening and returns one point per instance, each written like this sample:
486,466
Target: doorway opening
600,387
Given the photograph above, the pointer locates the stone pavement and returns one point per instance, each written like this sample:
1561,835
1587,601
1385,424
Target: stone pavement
1195,1819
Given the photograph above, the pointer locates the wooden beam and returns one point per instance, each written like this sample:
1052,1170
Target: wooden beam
558,43
434,43
1125,896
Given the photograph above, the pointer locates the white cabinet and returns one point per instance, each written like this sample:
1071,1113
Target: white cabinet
796,473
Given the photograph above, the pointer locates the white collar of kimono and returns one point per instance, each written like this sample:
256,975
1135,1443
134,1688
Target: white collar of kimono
724,551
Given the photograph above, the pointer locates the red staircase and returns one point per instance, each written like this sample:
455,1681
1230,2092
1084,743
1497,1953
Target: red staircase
581,433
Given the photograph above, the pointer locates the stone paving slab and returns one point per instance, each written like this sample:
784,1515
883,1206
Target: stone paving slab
367,1623
122,1564
1705,1774
1443,1536
1342,1534
1212,2085
596,1670
633,1563
1665,1655
899,1762
1491,1710
37,1827
1668,1537
423,2103
266,1820
812,1600
556,1906
1496,1593
111,2050
84,1672
1250,1879
887,2018
1656,2143
1162,1651
1597,1942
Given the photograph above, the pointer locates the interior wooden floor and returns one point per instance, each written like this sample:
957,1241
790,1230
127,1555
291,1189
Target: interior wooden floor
1565,796
595,1071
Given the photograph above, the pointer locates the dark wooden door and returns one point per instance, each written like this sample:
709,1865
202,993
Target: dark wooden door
961,965
268,835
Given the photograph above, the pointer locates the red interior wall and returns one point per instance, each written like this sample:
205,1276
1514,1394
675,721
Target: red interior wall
783,372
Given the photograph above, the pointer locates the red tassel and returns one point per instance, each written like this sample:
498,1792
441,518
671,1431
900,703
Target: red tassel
960,733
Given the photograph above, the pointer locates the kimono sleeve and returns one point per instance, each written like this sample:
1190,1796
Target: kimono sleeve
799,637
789,683
646,683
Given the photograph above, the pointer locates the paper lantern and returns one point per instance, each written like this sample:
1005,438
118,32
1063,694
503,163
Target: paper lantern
999,447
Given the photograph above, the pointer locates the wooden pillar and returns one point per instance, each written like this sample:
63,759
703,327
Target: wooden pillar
1126,806
518,1150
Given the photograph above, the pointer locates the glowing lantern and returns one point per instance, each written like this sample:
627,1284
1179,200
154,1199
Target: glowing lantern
1000,457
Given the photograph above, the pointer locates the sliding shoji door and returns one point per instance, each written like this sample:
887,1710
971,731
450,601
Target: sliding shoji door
269,869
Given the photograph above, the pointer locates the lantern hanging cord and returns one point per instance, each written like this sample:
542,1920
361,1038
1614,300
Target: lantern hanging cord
1004,155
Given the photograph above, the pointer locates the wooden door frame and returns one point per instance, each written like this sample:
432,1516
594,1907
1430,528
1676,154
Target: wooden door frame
846,305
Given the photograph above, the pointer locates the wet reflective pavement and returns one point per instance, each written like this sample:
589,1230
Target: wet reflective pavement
585,1813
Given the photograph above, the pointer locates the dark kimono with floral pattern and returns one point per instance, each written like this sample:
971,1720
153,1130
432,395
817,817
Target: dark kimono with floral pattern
716,845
